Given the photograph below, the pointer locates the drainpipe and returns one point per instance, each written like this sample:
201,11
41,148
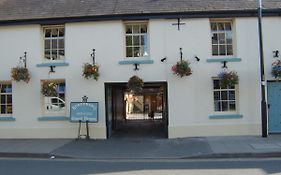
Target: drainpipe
262,76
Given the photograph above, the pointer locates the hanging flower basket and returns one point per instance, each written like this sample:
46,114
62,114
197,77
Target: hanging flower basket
20,74
228,78
49,89
91,71
181,69
135,84
276,69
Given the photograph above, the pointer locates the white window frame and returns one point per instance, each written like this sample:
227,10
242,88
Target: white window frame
6,94
232,32
136,23
236,100
49,104
51,48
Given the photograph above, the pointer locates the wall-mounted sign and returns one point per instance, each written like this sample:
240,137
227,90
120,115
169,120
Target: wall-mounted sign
84,111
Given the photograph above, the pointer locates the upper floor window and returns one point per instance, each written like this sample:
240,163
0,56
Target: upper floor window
222,38
136,40
6,98
54,43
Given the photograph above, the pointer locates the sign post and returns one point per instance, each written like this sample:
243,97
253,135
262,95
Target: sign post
84,112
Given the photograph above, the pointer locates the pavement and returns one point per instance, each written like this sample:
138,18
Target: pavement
144,148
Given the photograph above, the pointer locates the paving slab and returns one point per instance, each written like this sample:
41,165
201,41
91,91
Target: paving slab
34,146
134,148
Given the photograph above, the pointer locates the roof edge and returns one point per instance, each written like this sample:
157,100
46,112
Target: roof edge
145,16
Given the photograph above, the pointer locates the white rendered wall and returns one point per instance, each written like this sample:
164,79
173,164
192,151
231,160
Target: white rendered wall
190,99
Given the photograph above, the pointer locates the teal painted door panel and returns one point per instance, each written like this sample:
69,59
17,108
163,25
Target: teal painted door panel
274,111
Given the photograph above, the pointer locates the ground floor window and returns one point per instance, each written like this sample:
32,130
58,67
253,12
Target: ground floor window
6,98
224,97
55,104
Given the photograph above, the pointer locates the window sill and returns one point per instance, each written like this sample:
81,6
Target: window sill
136,61
53,118
226,116
227,59
52,64
6,119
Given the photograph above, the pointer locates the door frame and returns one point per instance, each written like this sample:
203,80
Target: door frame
123,84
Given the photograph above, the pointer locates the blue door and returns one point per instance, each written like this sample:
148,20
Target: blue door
274,107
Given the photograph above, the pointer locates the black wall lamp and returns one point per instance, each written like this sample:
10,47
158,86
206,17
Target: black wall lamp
52,69
136,67
275,53
24,59
163,59
224,64
197,58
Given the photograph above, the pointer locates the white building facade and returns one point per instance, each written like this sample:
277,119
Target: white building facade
195,105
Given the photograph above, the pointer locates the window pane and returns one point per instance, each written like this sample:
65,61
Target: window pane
215,50
229,50
231,87
216,84
136,52
217,106
8,89
136,40
216,95
224,106
136,29
221,38
47,44
229,38
9,109
129,52
213,26
143,29
9,99
215,38
129,29
61,88
221,26
54,32
228,26
129,40
145,51
61,44
54,44
231,95
224,95
61,32
47,33
54,55
47,54
61,53
232,106
3,99
3,109
144,40
141,52
222,50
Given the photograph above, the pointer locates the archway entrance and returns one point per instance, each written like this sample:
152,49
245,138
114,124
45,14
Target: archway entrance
136,115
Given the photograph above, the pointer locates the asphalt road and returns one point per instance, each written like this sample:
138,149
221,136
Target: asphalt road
140,167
